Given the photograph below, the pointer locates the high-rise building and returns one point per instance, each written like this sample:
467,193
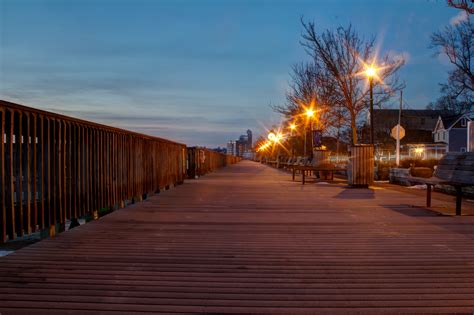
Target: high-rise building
231,147
242,146
249,139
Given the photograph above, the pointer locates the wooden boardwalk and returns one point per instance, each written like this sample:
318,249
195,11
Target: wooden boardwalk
246,239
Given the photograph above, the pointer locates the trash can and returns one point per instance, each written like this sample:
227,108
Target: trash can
361,165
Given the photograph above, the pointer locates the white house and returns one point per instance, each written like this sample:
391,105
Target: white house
452,131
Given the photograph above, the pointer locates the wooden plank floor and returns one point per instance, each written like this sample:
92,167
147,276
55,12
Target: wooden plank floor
246,239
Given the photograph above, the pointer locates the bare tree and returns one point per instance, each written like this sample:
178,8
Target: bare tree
309,87
450,104
342,55
457,43
466,5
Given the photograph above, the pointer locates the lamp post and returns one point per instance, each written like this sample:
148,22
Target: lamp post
309,114
361,166
275,138
371,72
292,139
271,136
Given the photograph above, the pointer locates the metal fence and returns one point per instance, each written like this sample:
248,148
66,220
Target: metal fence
55,168
202,161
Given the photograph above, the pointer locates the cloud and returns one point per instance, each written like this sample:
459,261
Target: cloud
458,18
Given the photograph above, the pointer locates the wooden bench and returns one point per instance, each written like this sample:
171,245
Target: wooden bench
298,162
313,169
278,162
454,169
288,162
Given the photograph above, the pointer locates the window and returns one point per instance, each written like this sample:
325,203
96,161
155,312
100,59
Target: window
422,121
463,122
463,149
444,135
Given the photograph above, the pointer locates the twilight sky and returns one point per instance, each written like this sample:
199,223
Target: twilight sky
199,72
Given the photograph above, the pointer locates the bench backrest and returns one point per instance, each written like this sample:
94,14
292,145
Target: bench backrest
300,161
457,168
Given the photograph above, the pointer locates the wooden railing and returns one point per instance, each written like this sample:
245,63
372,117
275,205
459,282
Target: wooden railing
55,168
202,161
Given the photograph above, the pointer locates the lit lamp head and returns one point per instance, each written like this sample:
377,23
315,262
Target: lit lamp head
278,137
271,136
309,113
370,72
292,126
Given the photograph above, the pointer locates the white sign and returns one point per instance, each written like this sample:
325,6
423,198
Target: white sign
394,131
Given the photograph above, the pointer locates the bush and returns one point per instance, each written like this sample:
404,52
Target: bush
406,163
383,168
431,163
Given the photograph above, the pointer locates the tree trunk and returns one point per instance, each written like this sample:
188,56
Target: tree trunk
354,129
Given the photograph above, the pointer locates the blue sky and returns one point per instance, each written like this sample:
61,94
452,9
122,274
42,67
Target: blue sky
199,72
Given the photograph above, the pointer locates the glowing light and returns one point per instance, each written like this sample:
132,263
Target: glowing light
292,126
271,136
310,112
264,146
371,71
419,150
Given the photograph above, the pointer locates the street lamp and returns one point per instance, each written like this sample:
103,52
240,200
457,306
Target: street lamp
309,114
271,136
275,138
371,72
292,127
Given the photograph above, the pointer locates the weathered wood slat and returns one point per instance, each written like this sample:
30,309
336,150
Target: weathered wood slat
10,177
34,172
40,158
18,154
3,209
201,161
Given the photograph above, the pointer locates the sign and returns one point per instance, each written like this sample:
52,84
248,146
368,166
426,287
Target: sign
317,138
394,131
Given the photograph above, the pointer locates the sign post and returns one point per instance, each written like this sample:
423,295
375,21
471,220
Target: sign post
398,132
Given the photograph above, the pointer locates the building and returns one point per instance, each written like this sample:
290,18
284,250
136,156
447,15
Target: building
241,147
249,139
452,131
418,140
231,147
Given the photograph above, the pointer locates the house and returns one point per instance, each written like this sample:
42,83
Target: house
418,124
452,131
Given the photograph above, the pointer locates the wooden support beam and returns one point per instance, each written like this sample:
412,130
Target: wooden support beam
3,208
458,199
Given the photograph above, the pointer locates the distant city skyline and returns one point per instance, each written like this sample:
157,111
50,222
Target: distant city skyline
198,72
